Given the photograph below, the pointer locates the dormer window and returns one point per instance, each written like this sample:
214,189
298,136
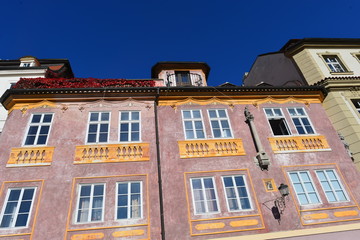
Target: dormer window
27,64
183,78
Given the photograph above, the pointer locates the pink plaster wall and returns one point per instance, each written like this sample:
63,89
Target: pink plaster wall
68,130
173,168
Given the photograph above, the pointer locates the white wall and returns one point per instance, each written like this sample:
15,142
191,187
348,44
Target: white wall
7,77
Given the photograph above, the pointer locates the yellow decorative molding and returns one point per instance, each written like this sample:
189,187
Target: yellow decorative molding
243,223
299,143
315,216
211,148
30,156
89,236
128,233
346,213
24,107
254,100
206,226
112,153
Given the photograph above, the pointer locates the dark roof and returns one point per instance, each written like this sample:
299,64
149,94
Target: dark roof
158,67
227,84
44,64
293,44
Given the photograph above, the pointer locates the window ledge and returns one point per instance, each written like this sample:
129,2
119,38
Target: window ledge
342,73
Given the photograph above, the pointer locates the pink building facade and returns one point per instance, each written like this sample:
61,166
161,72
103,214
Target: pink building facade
174,162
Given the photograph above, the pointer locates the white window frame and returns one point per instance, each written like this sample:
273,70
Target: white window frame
219,119
305,190
129,124
332,65
98,128
300,117
129,205
16,213
331,185
91,202
237,194
275,117
39,125
192,120
204,196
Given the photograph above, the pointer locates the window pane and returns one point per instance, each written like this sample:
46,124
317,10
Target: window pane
14,195
125,115
94,117
36,118
33,130
47,118
186,114
196,114
98,190
212,113
41,139
122,213
135,116
103,137
105,116
21,220
135,188
196,183
85,190
25,207
6,221
10,207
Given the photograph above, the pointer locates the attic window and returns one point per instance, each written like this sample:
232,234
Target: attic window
25,64
183,78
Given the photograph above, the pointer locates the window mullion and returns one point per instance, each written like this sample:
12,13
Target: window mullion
204,195
236,192
129,199
15,216
91,202
303,186
331,186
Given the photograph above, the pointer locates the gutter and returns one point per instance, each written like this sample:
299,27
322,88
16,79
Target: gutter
162,220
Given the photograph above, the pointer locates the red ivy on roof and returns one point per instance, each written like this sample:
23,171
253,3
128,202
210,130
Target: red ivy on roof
35,83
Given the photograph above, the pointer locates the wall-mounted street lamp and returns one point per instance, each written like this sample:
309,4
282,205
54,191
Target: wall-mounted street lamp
284,190
279,202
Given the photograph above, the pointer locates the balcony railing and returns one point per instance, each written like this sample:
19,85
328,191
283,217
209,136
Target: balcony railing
188,79
299,143
112,153
30,156
211,148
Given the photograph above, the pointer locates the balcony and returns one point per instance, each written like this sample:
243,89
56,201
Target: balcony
211,148
183,79
299,144
30,156
112,153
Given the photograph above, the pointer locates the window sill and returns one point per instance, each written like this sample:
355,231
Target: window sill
342,73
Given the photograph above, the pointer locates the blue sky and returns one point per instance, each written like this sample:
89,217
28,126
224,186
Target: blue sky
125,38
